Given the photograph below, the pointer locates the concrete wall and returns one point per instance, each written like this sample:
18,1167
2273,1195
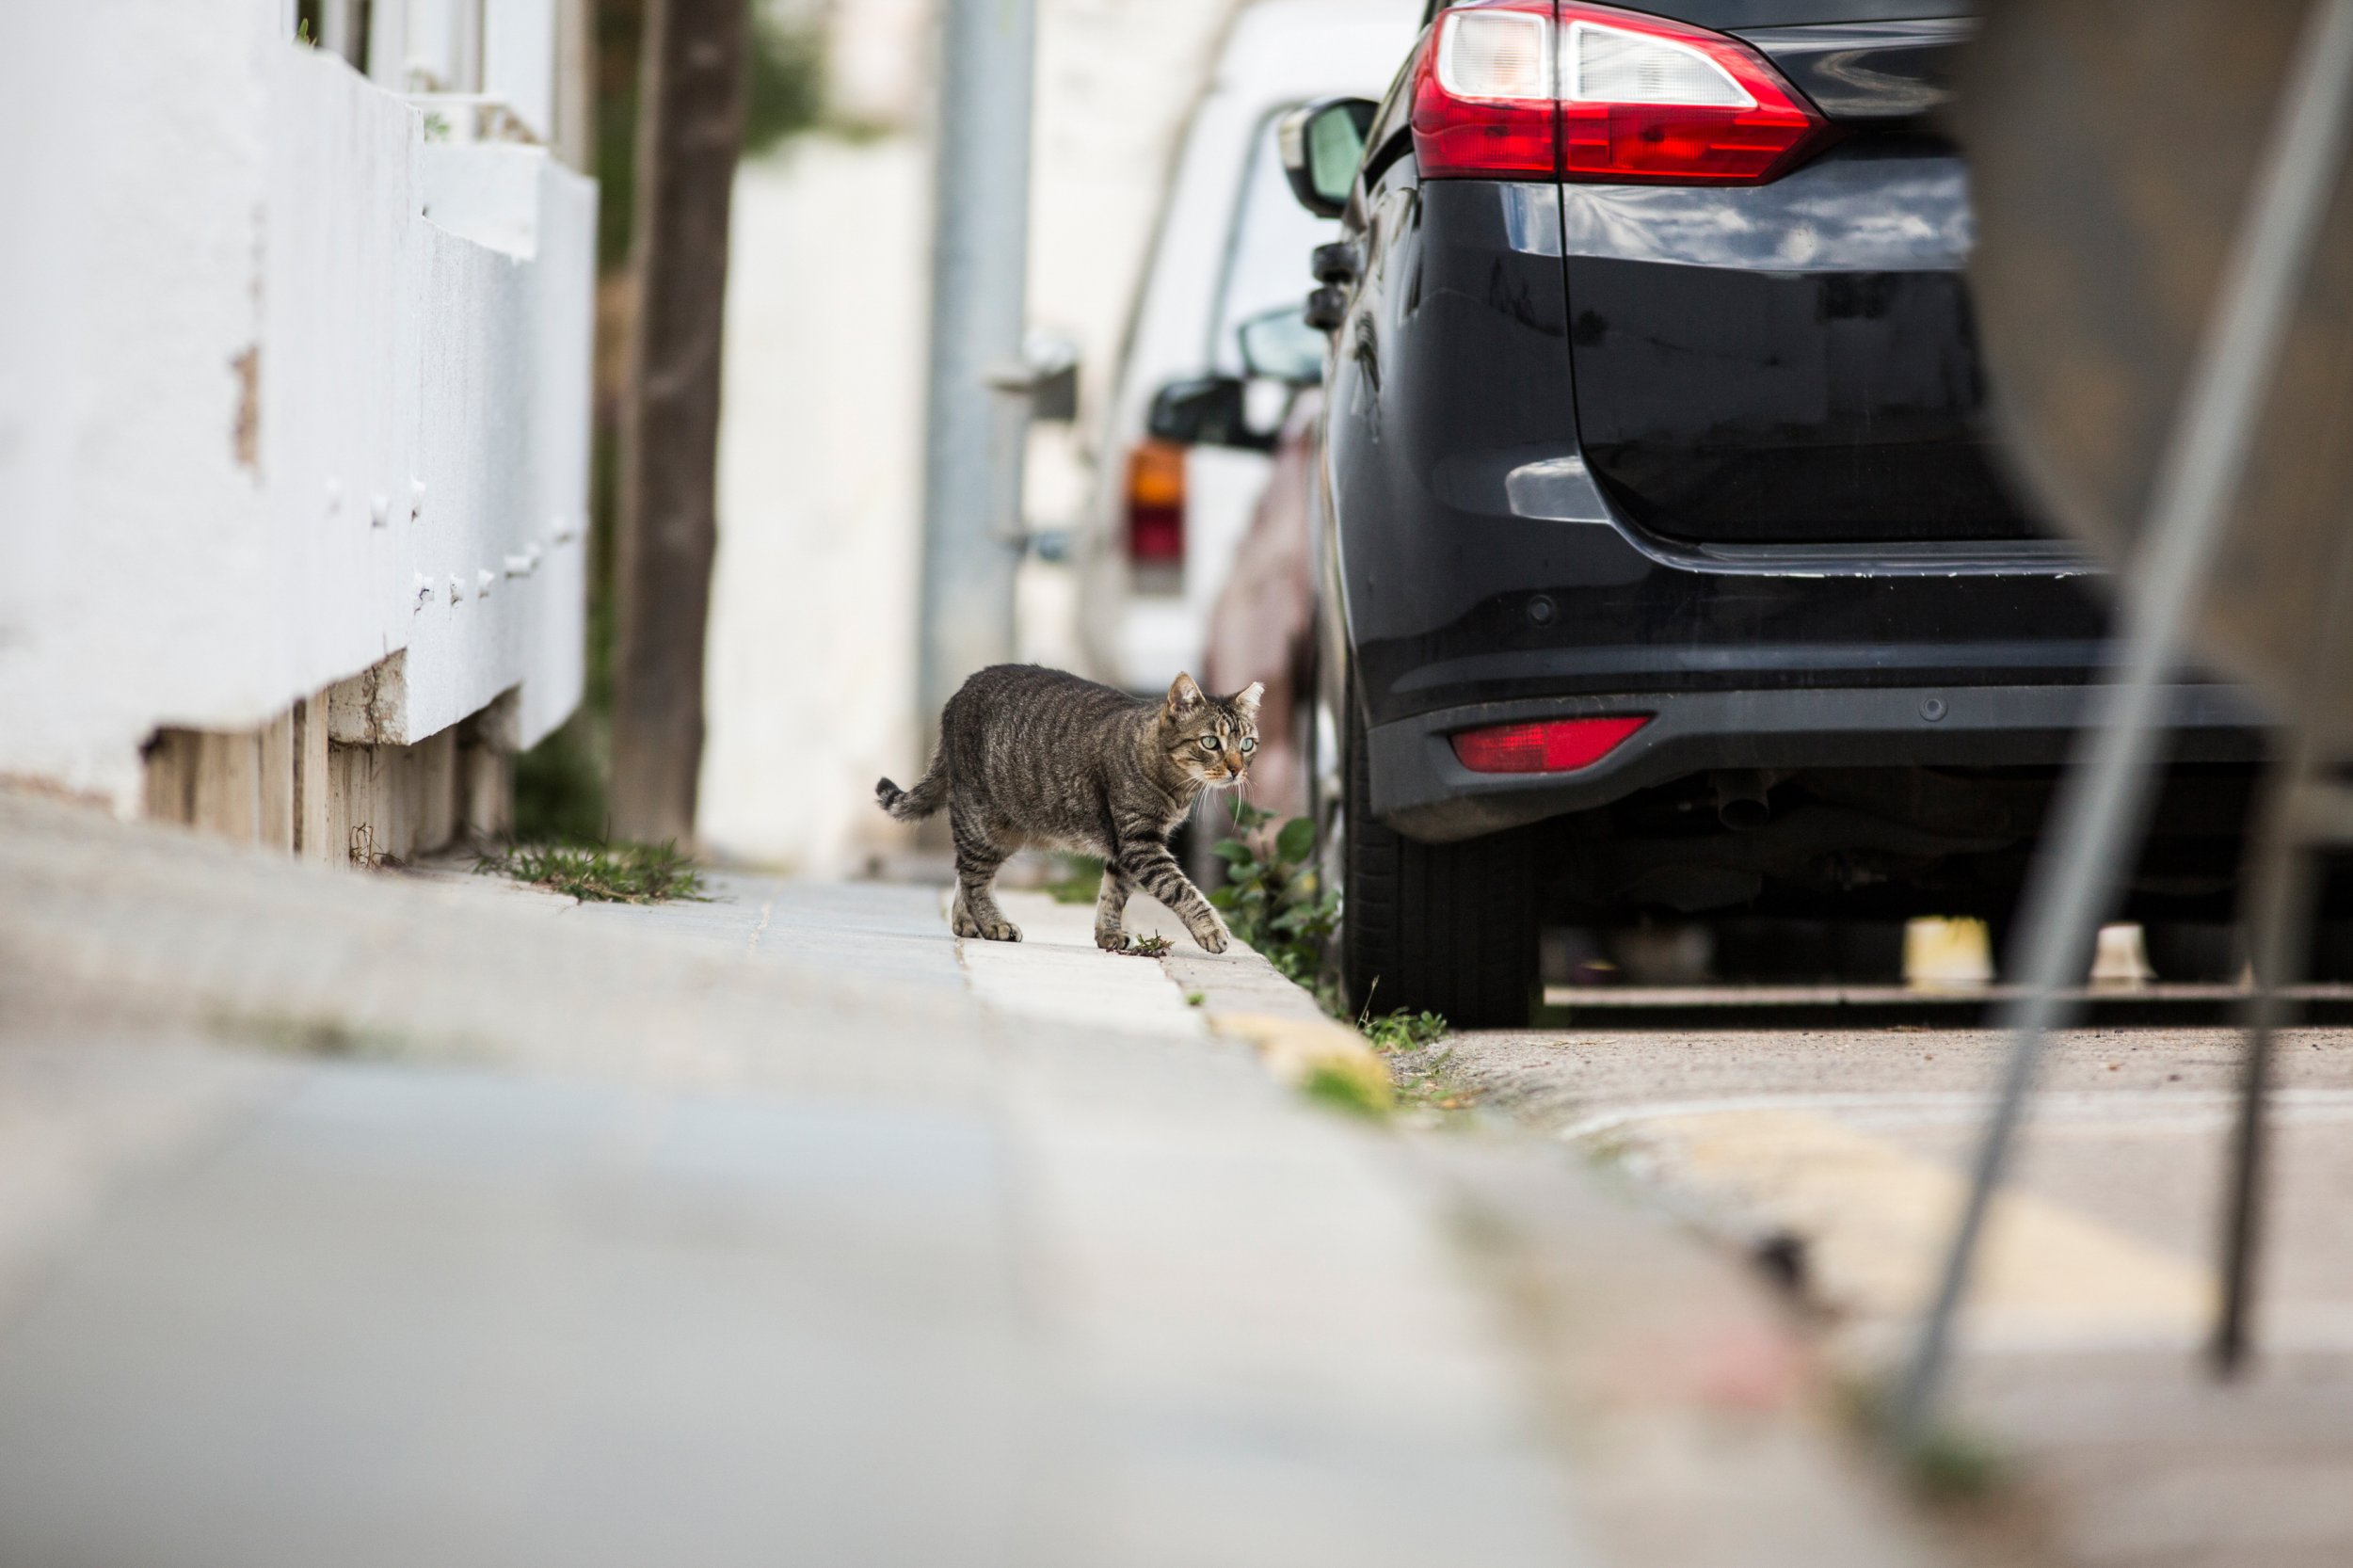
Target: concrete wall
293,384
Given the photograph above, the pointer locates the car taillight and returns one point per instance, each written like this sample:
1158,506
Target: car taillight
1576,91
1548,746
1482,92
1155,503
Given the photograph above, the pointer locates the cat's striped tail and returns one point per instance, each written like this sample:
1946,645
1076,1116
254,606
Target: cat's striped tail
914,805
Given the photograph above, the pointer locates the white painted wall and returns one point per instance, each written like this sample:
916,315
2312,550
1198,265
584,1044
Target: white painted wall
284,390
811,663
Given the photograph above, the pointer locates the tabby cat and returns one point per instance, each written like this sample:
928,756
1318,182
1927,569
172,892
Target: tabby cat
1038,758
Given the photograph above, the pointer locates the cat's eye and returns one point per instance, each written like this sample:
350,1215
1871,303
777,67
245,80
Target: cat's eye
1208,743
1249,744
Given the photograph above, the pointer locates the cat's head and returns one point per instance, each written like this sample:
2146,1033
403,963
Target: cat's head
1210,739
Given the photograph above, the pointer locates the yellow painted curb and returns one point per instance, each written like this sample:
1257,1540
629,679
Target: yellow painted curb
1298,1050
1877,1219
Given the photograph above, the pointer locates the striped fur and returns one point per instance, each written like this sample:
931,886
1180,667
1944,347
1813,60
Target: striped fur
1033,757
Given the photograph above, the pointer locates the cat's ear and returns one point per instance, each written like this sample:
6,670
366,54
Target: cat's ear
1246,700
1184,694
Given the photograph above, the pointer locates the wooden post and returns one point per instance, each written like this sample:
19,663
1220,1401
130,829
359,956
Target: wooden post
437,790
314,839
690,127
278,783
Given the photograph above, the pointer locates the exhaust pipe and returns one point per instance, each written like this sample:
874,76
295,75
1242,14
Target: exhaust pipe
1740,801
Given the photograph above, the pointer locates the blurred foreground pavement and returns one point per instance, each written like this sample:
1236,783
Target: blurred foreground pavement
361,1219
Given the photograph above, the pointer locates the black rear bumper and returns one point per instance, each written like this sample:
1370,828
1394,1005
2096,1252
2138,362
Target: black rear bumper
1422,790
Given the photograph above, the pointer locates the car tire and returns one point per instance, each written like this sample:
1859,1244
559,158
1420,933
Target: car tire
1442,928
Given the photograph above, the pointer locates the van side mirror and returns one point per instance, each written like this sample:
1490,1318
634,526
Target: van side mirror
1279,345
1205,410
1321,144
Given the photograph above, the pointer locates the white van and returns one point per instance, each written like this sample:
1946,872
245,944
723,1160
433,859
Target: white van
1163,520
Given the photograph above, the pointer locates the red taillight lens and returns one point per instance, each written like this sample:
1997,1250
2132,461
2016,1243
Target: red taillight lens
1644,99
1155,503
1587,92
1552,746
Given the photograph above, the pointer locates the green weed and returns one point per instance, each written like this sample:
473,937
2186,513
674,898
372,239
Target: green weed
602,874
1271,899
305,1033
1334,1084
1402,1031
1951,1466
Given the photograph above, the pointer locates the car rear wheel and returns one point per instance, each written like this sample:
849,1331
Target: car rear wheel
1444,928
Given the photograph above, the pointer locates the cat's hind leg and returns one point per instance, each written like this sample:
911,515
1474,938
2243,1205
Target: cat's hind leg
1111,909
978,856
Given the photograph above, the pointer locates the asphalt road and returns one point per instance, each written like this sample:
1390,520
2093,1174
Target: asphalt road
2079,1368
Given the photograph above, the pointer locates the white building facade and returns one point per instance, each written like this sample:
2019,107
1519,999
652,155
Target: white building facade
294,382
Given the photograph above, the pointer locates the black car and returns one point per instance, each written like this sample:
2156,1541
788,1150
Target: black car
1667,564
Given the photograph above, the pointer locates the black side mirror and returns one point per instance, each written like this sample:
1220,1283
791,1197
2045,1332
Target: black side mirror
1321,144
1204,411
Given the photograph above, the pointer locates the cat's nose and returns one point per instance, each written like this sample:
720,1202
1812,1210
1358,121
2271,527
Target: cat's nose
1233,763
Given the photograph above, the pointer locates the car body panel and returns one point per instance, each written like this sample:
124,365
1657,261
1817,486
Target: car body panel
1867,71
1713,455
1468,499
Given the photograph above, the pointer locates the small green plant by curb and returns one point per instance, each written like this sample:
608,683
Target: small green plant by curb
602,874
1270,898
305,1033
1345,1086
1195,999
1402,1031
1147,947
1949,1466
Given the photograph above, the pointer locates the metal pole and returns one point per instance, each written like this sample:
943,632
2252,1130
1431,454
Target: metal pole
979,269
2104,806
2278,919
2282,883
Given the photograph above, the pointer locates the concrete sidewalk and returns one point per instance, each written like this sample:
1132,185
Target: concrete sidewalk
380,1220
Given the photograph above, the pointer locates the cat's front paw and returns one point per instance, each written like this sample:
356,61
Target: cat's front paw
1000,930
1211,936
1110,941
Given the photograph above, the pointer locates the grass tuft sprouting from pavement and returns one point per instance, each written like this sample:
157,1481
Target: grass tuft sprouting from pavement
1950,1467
304,1033
1349,1087
1402,1031
602,874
